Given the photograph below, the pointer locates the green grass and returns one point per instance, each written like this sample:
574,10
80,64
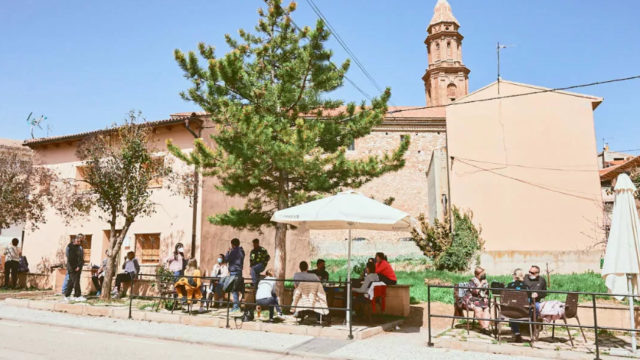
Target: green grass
585,282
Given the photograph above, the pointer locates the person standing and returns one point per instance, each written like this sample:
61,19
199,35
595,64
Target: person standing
537,286
176,262
11,263
75,262
258,260
234,282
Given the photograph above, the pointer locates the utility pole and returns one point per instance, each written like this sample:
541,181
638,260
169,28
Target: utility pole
498,48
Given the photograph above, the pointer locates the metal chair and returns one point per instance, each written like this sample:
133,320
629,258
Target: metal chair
570,312
459,310
514,305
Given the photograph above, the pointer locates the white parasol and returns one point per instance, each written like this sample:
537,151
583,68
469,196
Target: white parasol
621,267
346,211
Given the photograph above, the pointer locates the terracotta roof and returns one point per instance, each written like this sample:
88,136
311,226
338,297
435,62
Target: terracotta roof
31,142
443,13
612,172
431,113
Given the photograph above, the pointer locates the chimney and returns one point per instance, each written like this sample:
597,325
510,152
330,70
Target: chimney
606,147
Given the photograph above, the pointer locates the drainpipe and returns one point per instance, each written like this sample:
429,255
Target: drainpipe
451,217
196,178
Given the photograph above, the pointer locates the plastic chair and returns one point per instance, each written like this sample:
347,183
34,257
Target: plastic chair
459,310
379,296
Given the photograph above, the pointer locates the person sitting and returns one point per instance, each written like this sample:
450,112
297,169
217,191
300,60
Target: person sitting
304,275
320,271
258,259
477,300
538,286
131,269
371,277
220,270
98,277
188,286
309,294
266,295
517,284
384,270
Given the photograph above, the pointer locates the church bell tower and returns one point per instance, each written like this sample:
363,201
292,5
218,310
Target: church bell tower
446,78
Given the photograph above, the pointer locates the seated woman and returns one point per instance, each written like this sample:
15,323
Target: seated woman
364,272
220,270
477,300
360,298
266,295
188,286
384,270
131,269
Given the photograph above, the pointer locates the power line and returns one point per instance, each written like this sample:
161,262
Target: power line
344,45
519,95
336,67
527,166
527,182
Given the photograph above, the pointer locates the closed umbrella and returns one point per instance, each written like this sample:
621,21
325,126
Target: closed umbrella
346,211
621,267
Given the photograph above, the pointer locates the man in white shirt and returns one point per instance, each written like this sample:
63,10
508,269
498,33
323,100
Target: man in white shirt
12,263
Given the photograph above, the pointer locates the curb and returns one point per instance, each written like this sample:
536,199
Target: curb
169,338
516,351
24,294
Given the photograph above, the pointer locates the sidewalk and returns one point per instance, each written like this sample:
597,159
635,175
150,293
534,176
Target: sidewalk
401,346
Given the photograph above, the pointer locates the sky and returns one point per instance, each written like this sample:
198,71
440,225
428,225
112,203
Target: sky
85,64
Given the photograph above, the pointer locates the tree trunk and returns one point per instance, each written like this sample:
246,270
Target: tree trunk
115,243
280,262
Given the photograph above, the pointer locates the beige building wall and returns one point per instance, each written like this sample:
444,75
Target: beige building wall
172,220
526,167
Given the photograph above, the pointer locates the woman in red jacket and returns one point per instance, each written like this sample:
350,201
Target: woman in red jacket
384,270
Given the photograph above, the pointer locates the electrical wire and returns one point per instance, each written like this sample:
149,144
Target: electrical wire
520,95
527,166
346,47
527,182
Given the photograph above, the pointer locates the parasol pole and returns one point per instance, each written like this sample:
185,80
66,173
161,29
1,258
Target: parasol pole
349,279
632,312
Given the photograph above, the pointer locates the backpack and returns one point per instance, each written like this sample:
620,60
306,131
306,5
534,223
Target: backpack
248,316
23,265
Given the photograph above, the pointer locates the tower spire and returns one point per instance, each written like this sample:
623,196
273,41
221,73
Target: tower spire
447,78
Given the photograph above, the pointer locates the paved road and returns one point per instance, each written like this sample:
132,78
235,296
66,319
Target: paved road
27,341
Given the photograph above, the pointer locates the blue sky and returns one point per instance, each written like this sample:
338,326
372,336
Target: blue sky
84,64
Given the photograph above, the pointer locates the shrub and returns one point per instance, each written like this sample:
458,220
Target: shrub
450,252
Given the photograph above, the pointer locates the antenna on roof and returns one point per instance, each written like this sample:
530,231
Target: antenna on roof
498,48
35,122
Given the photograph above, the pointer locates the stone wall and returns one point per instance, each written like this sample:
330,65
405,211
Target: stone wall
408,186
338,249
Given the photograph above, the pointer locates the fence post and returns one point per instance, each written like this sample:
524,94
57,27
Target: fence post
429,343
131,296
595,325
228,303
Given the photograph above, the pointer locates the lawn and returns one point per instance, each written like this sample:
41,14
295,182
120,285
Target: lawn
585,282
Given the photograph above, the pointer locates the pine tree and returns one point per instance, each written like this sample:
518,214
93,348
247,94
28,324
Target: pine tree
280,140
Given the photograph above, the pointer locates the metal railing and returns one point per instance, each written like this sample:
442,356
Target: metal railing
159,280
593,296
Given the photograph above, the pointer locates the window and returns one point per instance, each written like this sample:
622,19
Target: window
86,246
156,182
81,172
352,146
148,248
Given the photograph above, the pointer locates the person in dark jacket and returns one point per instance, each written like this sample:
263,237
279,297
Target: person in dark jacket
258,259
233,283
75,262
537,286
517,284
